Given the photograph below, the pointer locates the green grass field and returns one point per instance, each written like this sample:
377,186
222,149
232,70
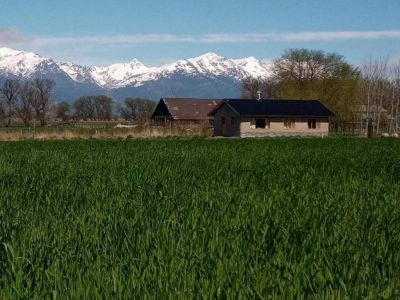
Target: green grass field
183,218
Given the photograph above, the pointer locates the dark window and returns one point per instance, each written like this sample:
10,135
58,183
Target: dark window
222,120
312,123
233,120
260,123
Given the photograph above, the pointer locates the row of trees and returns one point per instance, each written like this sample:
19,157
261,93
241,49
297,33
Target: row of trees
380,96
27,100
101,108
360,97
24,100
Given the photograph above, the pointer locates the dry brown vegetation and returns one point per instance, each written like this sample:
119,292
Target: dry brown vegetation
104,133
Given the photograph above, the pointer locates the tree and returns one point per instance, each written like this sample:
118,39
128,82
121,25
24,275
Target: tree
62,110
103,107
302,66
252,86
314,74
84,108
375,93
2,112
395,99
9,94
93,108
42,100
23,105
136,109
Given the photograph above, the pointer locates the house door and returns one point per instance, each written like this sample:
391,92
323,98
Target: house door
222,126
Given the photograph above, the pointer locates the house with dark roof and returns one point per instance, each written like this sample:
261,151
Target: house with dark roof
267,117
184,110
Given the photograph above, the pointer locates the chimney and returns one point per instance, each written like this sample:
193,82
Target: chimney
259,95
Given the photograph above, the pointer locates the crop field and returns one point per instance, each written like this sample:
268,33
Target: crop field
196,218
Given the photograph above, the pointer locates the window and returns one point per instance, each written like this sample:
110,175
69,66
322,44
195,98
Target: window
260,123
312,123
288,124
233,120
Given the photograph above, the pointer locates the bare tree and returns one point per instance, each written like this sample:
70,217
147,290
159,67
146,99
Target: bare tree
395,103
302,66
252,86
103,107
9,94
2,112
23,105
374,94
41,103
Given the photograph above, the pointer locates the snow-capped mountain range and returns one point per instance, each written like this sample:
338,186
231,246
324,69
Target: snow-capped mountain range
208,75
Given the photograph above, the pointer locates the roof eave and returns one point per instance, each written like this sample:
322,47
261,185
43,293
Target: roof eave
224,101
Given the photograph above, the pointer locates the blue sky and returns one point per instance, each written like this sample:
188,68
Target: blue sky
102,32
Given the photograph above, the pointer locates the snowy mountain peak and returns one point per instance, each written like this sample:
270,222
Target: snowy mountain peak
253,66
116,74
23,63
136,62
209,56
209,67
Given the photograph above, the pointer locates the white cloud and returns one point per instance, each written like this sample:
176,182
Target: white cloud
13,36
216,38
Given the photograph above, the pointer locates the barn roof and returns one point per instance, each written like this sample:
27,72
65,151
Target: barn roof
187,108
270,107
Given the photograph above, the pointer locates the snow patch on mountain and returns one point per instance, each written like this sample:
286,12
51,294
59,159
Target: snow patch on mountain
76,72
115,75
133,73
24,64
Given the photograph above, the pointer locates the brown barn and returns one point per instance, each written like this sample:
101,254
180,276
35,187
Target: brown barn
257,118
184,110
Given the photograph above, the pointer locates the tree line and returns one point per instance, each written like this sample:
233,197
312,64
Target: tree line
103,108
362,97
29,100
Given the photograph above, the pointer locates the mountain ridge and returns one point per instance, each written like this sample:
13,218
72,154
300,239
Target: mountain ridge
209,75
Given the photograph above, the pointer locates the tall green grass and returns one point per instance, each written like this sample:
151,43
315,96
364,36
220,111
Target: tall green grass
183,218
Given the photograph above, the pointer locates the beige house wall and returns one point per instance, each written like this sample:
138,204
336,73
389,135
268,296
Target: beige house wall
276,127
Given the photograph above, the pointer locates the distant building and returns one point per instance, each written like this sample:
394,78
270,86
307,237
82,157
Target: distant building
184,110
257,118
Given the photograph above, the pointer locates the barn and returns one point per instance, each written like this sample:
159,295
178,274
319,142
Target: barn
270,117
184,110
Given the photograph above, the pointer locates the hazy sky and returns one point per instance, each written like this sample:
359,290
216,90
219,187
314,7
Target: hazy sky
101,32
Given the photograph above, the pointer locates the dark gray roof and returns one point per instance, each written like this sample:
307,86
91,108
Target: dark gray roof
269,107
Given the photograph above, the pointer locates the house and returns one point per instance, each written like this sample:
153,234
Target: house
257,118
184,110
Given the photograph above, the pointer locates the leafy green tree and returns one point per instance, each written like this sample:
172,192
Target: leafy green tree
62,110
84,108
93,108
136,109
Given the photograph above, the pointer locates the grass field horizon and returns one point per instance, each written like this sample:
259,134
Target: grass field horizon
200,218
